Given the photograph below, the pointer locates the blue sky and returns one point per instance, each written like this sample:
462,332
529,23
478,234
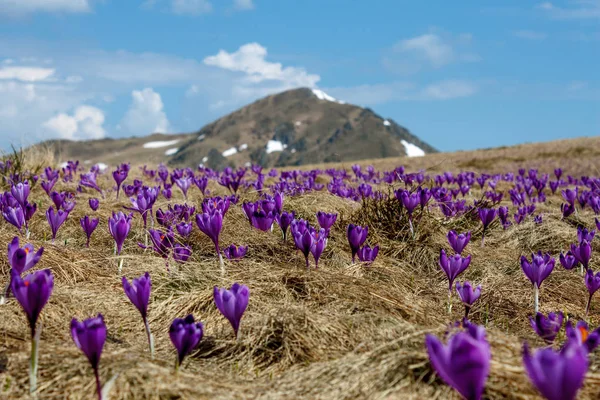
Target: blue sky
477,74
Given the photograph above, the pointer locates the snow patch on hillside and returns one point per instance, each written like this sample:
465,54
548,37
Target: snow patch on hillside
160,143
170,152
101,166
230,152
275,145
321,95
243,147
386,122
412,150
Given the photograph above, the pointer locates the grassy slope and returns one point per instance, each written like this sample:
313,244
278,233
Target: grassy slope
343,331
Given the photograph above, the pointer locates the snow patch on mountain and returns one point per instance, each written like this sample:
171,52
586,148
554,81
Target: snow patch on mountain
230,152
412,150
170,152
160,143
275,145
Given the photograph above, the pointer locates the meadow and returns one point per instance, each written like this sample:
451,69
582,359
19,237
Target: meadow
344,330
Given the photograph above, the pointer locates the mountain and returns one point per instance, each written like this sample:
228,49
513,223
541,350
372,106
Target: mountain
295,127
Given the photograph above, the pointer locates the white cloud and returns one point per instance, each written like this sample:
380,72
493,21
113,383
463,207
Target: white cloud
250,59
26,74
85,123
408,56
579,9
450,89
13,7
191,7
530,35
146,114
243,5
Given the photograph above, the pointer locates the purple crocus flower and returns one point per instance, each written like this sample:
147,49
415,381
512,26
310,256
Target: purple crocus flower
184,184
119,226
537,271
557,375
262,220
234,252
592,282
55,220
162,243
14,216
584,234
567,209
32,292
89,180
453,266
89,337
22,259
181,253
581,335
318,244
20,192
464,362
184,229
487,216
138,292
303,238
284,220
232,303
582,253
468,295
356,237
49,185
568,260
185,334
547,327
367,254
211,223
458,242
119,175
58,199
326,220
89,225
94,204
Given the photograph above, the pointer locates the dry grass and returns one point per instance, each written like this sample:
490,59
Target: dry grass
341,332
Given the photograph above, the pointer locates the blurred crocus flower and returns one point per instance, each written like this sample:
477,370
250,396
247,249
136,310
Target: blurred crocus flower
89,225
89,180
184,184
262,220
567,209
32,293
14,216
570,196
458,242
119,175
453,266
89,337
318,244
49,185
547,327
592,282
58,199
20,192
557,375
94,204
233,252
356,237
22,259
468,295
503,216
303,238
584,234
181,253
284,220
487,216
55,220
162,243
232,303
185,334
184,229
326,220
367,254
119,226
568,260
582,253
537,271
138,292
581,335
464,362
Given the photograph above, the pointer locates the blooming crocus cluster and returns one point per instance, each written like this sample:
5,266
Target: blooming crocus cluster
537,271
453,266
367,254
356,235
464,362
547,327
309,240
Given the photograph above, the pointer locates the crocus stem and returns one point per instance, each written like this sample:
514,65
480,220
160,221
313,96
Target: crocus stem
412,231
120,265
27,233
483,238
307,263
589,303
176,365
33,365
581,270
450,301
536,296
150,339
98,385
222,264
467,309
